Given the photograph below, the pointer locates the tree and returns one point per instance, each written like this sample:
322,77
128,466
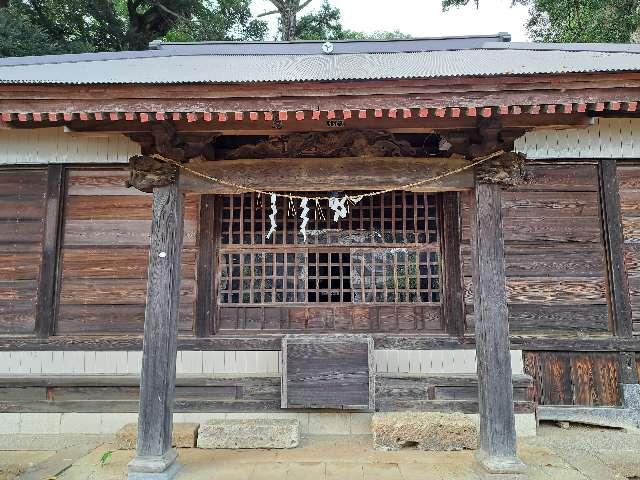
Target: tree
578,20
288,11
19,37
73,26
325,24
222,20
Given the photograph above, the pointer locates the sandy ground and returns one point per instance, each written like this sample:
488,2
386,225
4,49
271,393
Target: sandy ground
577,453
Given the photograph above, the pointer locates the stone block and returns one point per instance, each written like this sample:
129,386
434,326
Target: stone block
249,433
424,431
184,436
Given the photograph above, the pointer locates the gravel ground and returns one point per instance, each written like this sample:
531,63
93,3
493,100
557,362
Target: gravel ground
574,453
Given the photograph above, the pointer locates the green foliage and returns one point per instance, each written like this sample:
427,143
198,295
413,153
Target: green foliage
20,37
72,26
105,458
325,24
606,21
613,21
223,20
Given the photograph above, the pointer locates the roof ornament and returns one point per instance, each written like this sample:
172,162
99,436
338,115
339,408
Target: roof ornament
327,47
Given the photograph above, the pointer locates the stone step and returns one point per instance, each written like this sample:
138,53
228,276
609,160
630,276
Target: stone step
249,433
184,436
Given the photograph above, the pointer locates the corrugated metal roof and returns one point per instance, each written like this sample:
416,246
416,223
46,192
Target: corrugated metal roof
212,63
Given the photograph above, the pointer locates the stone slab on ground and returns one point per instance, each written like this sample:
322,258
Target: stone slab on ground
249,433
424,430
184,436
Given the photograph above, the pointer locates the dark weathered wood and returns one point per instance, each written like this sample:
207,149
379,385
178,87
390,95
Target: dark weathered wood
575,378
158,376
208,238
451,274
331,371
272,342
46,306
619,300
495,392
319,174
628,371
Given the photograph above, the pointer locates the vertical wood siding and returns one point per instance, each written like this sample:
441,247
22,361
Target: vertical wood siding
554,252
22,211
53,145
563,378
105,255
629,184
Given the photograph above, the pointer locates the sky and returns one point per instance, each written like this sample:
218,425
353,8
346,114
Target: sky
423,18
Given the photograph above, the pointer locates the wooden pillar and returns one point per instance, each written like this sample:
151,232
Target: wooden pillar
46,306
452,283
154,457
613,239
497,452
209,236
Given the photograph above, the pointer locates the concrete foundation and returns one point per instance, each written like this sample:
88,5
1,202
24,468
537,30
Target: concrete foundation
627,416
249,433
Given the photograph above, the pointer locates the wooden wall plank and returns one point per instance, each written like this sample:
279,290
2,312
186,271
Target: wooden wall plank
23,195
554,253
106,252
628,177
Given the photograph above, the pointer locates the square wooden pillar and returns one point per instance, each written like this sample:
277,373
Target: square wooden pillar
155,459
495,390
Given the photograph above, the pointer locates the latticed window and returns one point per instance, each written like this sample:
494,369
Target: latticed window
385,251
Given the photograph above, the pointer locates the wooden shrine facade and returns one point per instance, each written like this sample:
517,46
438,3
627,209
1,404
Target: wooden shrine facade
504,255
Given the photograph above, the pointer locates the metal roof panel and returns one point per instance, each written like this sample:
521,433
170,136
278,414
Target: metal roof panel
299,68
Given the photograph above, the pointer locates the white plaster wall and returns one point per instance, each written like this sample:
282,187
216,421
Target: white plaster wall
231,362
606,138
53,145
129,363
435,361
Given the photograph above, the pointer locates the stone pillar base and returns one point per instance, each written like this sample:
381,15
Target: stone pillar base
510,465
154,468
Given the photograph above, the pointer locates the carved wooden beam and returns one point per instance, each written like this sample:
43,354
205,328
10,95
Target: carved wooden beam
506,170
147,173
164,139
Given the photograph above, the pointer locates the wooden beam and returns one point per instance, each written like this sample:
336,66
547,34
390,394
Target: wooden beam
46,302
158,376
339,95
413,124
326,174
452,300
613,236
495,392
210,217
272,342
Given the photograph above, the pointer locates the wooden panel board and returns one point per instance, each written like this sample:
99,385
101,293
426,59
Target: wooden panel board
22,211
105,255
330,371
339,318
629,185
574,378
553,251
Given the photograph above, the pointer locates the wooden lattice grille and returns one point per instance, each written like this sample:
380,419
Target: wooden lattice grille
386,251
